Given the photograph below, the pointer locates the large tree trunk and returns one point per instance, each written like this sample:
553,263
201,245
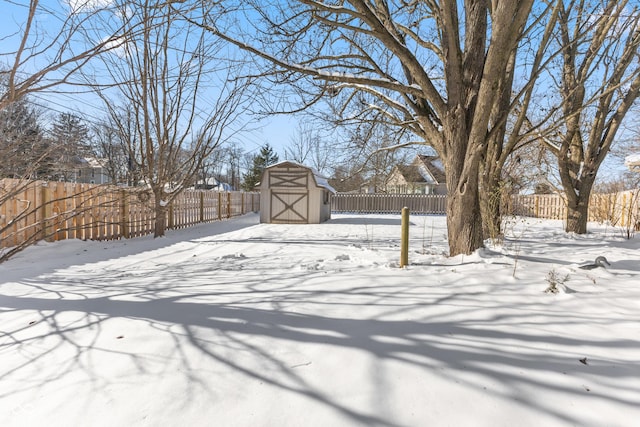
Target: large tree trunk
464,223
578,209
577,216
161,218
577,179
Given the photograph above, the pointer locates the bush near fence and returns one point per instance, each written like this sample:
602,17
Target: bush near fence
40,210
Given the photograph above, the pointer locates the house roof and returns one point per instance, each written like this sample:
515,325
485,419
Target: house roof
92,162
411,173
434,166
424,169
632,161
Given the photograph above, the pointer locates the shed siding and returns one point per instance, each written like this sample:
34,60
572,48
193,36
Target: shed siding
291,195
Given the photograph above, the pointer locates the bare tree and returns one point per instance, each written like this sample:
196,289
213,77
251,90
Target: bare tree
599,82
346,178
429,67
42,54
238,163
511,129
212,168
110,145
165,73
374,150
49,48
308,147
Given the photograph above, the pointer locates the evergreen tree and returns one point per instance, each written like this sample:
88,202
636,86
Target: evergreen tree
261,160
24,151
71,139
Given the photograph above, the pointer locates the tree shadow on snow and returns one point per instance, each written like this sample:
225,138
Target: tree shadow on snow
239,322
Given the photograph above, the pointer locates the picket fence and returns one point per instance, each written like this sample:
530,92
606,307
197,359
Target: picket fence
389,203
40,210
619,209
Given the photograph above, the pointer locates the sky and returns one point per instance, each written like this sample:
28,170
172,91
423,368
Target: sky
237,323
277,130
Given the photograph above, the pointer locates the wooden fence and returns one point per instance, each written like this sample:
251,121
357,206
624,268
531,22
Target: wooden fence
618,209
37,210
389,203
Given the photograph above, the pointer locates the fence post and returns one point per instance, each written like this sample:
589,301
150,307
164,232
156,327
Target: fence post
45,211
242,203
219,206
201,206
228,205
170,225
124,214
404,240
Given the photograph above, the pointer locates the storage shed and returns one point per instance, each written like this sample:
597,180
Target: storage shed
291,193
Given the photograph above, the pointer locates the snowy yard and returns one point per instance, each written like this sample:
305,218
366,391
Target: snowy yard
244,324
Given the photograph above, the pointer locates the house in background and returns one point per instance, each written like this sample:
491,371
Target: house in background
632,161
425,175
212,184
91,170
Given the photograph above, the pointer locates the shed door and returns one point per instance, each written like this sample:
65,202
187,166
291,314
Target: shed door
289,207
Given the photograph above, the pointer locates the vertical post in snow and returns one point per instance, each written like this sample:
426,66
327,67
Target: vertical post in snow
404,240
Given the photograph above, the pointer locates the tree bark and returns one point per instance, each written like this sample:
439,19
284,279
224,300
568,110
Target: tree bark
491,204
464,222
161,219
577,214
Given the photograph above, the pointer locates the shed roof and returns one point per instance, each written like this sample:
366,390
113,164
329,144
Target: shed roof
320,180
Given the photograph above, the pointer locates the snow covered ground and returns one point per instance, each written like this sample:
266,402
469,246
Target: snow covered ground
244,324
